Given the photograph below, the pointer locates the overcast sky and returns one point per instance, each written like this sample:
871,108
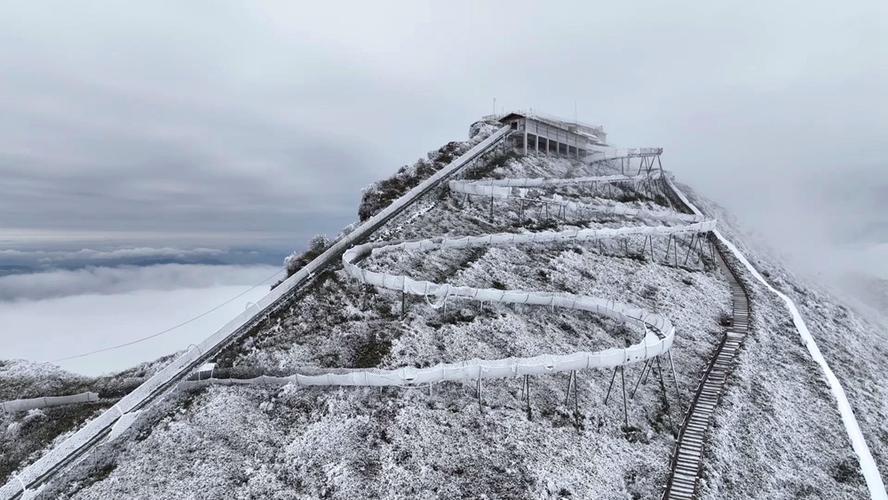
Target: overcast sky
257,123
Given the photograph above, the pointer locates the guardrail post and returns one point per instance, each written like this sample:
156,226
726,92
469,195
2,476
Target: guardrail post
480,401
640,375
625,404
571,381
576,397
610,386
666,255
675,381
690,246
525,393
665,397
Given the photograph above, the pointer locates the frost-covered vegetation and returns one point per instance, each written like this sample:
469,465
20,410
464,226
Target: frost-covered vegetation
777,433
25,435
296,261
404,443
380,194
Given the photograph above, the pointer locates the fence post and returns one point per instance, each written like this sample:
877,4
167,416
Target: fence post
640,375
611,385
625,404
480,401
571,381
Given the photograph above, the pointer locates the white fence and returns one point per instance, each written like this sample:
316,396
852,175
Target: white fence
611,153
868,466
658,330
95,428
505,188
47,401
657,339
518,188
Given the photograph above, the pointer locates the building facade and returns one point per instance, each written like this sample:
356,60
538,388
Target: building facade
536,134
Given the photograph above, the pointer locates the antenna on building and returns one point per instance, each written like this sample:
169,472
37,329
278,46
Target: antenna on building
576,119
494,106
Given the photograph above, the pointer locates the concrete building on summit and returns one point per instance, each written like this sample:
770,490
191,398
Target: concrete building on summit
538,134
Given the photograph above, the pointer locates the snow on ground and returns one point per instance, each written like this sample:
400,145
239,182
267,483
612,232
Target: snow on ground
25,435
405,443
804,413
777,432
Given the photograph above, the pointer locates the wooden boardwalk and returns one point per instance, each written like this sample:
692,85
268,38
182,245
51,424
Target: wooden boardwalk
687,460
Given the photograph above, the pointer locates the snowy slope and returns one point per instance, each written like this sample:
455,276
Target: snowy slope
778,434
854,348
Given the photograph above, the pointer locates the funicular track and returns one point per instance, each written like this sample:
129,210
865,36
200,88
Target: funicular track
168,378
686,463
656,330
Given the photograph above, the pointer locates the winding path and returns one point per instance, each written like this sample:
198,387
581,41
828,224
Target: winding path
658,331
657,338
163,382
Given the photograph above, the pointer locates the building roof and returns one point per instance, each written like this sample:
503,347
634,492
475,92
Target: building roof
554,121
509,116
594,133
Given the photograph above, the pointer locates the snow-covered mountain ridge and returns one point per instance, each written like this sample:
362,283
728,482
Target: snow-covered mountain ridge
779,434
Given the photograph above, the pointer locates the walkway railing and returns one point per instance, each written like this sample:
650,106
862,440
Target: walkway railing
91,433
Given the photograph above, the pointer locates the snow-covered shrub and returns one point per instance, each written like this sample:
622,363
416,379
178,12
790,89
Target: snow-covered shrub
485,127
296,261
380,194
25,434
489,169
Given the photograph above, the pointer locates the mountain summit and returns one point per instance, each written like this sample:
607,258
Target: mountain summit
530,313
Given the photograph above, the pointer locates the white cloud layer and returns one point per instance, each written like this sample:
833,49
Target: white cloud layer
104,307
214,124
267,118
120,280
100,256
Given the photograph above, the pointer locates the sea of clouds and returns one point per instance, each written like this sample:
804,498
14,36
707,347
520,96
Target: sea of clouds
59,303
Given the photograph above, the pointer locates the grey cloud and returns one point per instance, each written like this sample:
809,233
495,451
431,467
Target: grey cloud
121,280
118,253
42,260
243,119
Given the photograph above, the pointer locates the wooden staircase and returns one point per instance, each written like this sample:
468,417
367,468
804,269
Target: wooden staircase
687,460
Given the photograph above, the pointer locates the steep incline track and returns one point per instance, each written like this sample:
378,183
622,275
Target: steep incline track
162,382
655,330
